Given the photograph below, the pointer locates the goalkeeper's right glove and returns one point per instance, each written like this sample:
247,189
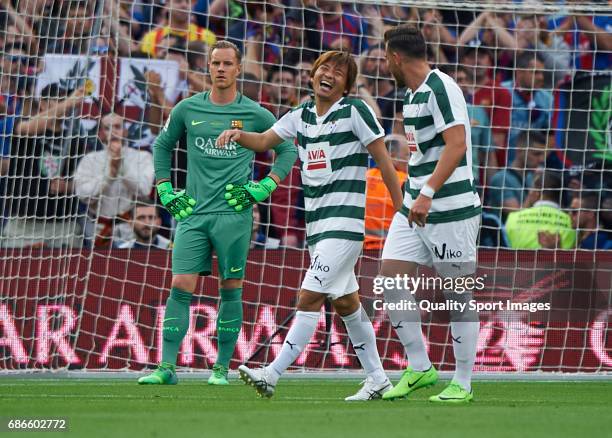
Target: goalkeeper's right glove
179,204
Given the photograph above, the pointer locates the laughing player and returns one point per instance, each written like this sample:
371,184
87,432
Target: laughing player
334,134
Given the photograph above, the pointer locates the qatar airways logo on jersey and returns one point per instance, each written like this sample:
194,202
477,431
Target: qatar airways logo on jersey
207,145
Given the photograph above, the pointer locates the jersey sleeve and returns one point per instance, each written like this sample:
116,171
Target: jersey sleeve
286,128
365,126
165,143
447,105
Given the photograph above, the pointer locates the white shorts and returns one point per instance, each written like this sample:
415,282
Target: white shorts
332,267
449,247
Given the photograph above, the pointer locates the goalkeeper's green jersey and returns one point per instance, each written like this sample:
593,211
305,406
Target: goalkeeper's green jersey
210,169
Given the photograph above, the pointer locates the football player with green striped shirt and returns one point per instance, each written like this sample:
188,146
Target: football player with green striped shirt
334,134
206,222
442,202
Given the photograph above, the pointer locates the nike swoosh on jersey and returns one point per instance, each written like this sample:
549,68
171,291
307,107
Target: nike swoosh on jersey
194,123
235,269
228,321
169,319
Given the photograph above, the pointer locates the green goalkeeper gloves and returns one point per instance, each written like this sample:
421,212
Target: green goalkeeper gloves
179,204
241,197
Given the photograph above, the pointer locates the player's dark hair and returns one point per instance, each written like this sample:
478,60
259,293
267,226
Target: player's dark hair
523,60
276,69
195,50
339,58
549,183
224,44
144,203
407,40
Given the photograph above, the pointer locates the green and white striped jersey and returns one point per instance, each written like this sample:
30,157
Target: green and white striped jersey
334,161
437,105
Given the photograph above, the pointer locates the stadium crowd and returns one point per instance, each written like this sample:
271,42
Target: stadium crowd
541,150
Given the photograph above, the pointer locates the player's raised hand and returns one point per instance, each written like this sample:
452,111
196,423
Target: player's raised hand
179,204
228,136
243,196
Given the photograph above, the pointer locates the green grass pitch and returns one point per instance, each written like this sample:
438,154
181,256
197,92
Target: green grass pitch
306,408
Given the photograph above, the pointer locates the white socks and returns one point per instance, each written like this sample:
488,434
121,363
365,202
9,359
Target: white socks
407,325
299,335
465,339
360,331
464,331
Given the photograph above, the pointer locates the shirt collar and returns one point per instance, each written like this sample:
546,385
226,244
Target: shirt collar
545,203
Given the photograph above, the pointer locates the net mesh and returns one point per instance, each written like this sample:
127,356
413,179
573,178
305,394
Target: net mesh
87,85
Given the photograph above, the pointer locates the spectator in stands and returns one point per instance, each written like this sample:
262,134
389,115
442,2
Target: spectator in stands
373,23
441,43
179,25
379,206
590,38
585,219
21,25
108,182
74,39
13,65
145,221
544,225
339,29
303,67
258,237
251,86
531,105
605,213
197,61
192,73
484,160
489,94
509,187
39,190
127,25
493,29
531,35
375,77
280,89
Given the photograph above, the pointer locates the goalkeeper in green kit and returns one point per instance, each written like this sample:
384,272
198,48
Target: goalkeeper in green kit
205,220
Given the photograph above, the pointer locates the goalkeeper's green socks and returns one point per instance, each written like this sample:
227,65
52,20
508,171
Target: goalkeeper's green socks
229,323
176,323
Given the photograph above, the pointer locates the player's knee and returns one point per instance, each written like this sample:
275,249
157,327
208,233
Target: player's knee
347,305
231,283
462,312
310,301
186,282
391,268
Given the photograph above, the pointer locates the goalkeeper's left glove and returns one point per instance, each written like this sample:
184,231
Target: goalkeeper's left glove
243,196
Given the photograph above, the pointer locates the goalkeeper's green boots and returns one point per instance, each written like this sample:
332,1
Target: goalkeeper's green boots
165,374
453,394
411,381
218,376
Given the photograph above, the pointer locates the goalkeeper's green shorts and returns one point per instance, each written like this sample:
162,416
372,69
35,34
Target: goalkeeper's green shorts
228,234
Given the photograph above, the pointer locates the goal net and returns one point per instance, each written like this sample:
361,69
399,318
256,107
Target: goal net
85,258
